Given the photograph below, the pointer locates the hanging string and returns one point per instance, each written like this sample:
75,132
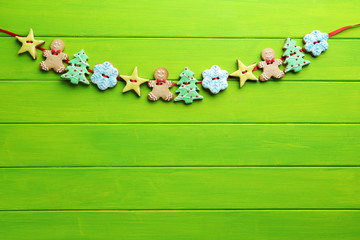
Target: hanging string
255,69
342,29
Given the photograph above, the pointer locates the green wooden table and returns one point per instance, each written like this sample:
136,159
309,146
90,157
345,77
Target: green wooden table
276,160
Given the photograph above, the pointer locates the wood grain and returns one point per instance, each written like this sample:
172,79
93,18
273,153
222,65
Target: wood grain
25,145
269,150
164,225
274,101
180,188
200,18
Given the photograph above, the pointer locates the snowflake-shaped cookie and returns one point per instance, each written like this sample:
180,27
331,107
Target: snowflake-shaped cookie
316,42
105,75
215,79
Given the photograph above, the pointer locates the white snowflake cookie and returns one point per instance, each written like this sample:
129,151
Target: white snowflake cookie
105,76
316,42
215,79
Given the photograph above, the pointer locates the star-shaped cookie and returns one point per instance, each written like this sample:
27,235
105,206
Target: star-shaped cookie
29,44
244,73
133,82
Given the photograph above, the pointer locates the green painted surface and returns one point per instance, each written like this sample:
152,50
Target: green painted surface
275,160
194,225
281,144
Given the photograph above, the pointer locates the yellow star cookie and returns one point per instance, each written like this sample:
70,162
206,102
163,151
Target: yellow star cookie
133,82
244,73
29,44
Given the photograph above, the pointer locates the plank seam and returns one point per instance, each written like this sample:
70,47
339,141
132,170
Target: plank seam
181,210
180,166
179,123
180,37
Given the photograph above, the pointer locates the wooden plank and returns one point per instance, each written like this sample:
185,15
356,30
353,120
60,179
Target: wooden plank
134,144
164,225
338,63
179,188
211,18
275,101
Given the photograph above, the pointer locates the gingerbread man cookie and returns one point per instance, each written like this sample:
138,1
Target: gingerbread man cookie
270,65
160,86
54,57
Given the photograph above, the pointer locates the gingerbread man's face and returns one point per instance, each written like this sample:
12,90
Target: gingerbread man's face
161,73
57,44
268,53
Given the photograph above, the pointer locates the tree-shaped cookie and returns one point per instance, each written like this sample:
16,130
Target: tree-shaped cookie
294,58
160,86
54,57
77,69
188,89
270,65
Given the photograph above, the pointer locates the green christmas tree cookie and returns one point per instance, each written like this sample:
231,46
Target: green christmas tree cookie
77,69
293,56
188,89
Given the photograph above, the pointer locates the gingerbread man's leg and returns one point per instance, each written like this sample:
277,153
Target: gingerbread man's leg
152,97
168,97
60,69
264,77
278,74
43,66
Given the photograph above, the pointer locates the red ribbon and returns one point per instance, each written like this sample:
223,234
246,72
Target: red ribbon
160,80
16,35
55,52
269,61
341,29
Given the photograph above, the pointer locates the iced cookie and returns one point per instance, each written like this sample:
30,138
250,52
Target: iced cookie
133,82
215,79
77,69
160,86
187,87
54,57
244,73
316,42
294,58
270,65
29,44
105,75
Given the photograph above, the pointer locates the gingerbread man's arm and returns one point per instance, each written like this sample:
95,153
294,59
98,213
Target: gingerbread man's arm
261,64
278,62
151,83
46,53
169,84
64,56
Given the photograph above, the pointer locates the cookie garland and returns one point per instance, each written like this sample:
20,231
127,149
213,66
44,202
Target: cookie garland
214,79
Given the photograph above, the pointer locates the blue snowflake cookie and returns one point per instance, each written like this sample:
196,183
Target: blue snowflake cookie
105,76
316,42
215,79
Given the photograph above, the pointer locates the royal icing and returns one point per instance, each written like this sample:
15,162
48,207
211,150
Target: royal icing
316,42
105,75
244,73
77,69
160,86
133,82
215,79
187,87
293,56
29,44
270,65
55,57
